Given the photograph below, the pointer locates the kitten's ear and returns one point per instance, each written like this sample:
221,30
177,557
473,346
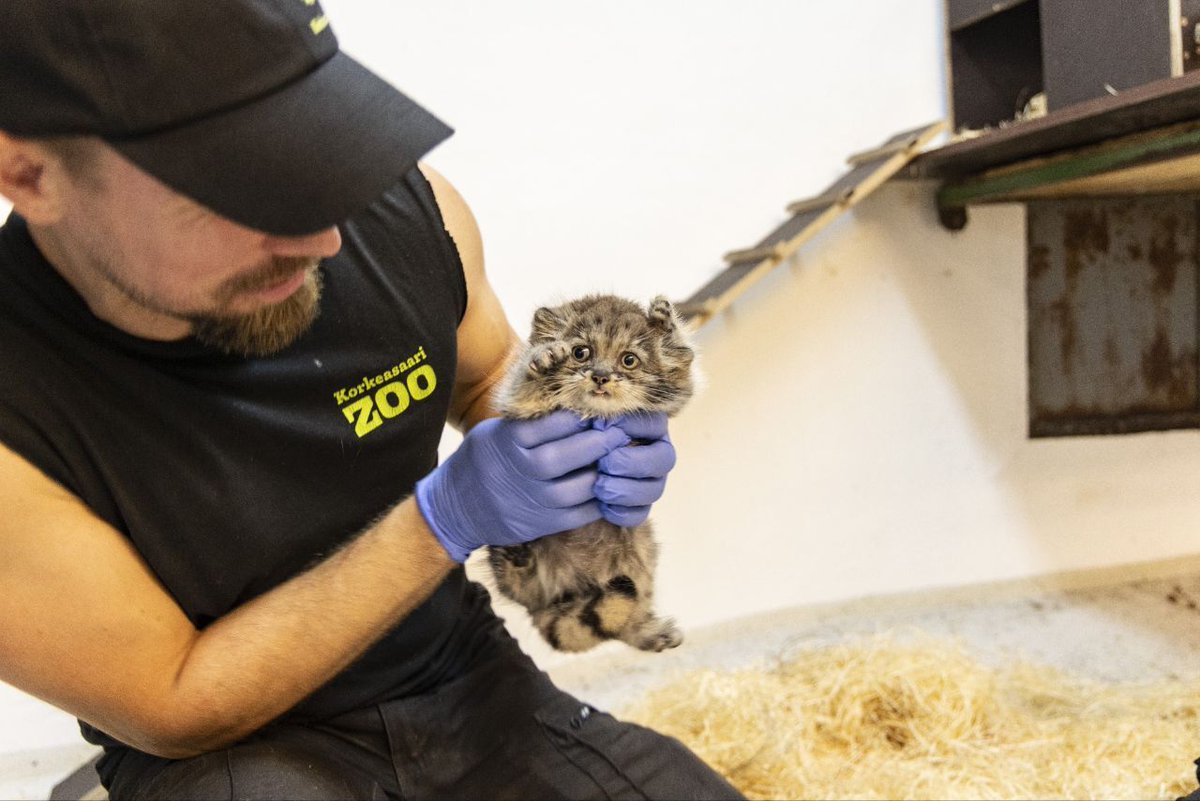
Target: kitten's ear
547,323
662,314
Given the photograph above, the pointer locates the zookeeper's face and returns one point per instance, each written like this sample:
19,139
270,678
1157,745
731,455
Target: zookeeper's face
177,258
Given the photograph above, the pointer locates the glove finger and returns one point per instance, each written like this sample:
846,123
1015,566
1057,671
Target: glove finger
627,516
554,426
580,515
570,490
616,491
640,461
643,425
563,456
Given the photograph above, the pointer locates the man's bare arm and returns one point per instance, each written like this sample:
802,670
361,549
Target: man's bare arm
85,625
486,340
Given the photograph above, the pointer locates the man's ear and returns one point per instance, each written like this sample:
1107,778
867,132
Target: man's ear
33,178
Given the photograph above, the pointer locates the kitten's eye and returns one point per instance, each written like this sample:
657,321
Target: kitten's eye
630,361
581,353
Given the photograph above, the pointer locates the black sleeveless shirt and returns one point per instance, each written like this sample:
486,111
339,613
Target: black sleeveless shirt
232,475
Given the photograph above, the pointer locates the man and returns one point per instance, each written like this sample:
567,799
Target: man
235,317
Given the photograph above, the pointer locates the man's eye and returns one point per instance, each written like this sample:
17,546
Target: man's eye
630,361
582,353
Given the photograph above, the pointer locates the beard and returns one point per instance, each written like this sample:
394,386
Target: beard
269,329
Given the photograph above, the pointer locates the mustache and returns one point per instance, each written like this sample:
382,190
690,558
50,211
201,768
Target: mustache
270,274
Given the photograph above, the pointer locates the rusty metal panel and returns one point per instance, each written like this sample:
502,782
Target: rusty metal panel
1112,296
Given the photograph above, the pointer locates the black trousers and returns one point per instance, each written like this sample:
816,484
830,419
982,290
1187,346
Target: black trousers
1194,795
502,731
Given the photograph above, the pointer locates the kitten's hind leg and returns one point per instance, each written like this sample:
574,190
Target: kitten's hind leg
638,624
653,633
564,622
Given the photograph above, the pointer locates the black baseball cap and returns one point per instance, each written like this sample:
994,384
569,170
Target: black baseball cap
246,106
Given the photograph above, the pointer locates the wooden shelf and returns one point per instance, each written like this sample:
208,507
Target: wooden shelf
1155,105
1156,162
1143,141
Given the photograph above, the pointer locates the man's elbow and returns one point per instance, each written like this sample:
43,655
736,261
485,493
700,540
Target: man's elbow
181,733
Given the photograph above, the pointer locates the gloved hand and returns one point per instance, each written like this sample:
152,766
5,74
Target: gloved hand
511,481
633,477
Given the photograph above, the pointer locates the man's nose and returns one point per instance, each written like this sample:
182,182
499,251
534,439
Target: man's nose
321,244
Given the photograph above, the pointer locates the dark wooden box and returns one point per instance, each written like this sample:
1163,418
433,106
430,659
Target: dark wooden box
1002,53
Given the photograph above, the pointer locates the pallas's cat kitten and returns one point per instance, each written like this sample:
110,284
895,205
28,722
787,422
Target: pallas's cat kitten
601,357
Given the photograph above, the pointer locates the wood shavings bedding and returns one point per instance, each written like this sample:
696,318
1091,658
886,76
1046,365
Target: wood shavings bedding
876,718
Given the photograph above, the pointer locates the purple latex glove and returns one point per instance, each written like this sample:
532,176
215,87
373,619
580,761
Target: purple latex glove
511,481
634,477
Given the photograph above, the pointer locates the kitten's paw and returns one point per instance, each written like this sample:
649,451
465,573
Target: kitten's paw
546,357
662,635
662,313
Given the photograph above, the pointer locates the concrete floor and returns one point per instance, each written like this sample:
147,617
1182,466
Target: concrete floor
1137,622
1133,623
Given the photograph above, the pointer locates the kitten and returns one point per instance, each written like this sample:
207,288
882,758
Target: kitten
600,356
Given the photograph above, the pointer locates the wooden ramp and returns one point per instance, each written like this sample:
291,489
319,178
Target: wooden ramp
868,170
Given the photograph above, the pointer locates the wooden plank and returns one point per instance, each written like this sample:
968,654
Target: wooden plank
891,147
706,301
1017,181
703,303
1154,105
1172,176
837,192
752,255
790,229
818,203
723,289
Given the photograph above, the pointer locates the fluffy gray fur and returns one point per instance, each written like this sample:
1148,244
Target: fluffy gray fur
600,356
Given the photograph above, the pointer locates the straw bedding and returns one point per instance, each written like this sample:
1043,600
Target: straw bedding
877,718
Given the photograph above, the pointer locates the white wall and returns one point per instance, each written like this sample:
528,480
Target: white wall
864,432
626,145
863,428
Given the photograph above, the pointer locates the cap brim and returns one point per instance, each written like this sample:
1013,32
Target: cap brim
304,158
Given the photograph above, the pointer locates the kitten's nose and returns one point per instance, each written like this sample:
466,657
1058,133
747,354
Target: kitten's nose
600,377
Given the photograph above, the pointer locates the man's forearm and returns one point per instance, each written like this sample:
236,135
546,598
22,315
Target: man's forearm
257,662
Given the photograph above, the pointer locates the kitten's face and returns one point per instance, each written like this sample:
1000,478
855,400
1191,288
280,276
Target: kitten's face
611,357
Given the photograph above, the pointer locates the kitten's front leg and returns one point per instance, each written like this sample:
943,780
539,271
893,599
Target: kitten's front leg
662,313
545,357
